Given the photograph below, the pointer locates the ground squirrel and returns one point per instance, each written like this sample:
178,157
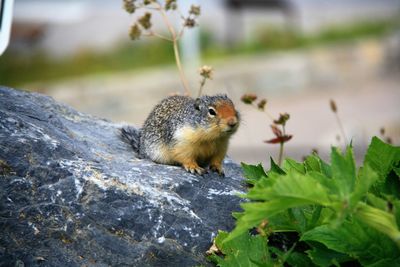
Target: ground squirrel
184,131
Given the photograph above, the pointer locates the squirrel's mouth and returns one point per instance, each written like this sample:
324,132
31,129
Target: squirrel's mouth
230,130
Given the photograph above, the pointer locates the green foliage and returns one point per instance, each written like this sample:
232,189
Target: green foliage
17,69
340,214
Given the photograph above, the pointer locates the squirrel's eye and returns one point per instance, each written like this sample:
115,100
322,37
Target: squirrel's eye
212,112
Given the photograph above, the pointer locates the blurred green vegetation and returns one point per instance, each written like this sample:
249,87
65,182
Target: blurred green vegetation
272,38
18,69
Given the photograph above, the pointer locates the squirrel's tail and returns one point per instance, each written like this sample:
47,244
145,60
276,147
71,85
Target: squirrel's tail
131,135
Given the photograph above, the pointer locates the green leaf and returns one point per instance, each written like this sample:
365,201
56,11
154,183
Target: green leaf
397,171
290,165
253,172
382,158
244,250
316,215
356,240
275,168
326,169
325,257
298,218
289,191
366,178
380,220
396,212
391,186
376,202
304,188
297,259
313,163
343,172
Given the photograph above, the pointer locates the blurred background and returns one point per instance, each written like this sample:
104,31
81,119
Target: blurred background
298,54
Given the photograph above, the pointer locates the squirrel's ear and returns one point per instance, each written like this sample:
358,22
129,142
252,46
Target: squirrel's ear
197,103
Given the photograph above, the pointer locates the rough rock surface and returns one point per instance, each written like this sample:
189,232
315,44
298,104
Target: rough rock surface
73,194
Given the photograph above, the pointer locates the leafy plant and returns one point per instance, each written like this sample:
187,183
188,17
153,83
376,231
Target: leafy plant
332,213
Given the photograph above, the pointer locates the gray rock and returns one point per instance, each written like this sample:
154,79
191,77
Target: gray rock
73,194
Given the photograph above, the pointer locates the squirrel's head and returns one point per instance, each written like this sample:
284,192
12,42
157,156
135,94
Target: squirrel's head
219,112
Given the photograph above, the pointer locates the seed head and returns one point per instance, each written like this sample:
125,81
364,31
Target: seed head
135,32
190,23
195,10
206,72
145,21
148,2
248,98
170,4
283,118
261,104
333,105
129,6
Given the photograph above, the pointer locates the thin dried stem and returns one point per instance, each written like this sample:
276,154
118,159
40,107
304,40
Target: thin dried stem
202,83
264,111
175,38
151,33
181,33
281,145
341,128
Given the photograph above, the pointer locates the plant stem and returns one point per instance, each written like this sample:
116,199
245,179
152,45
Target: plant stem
280,154
341,129
151,33
202,83
281,146
178,63
265,111
175,39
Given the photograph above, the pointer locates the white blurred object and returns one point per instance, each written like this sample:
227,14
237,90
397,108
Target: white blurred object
6,12
190,42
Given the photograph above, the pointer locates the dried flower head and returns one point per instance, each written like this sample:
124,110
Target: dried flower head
213,249
135,32
261,104
145,21
248,98
190,23
283,118
170,4
129,6
262,228
148,2
280,138
195,10
206,72
333,105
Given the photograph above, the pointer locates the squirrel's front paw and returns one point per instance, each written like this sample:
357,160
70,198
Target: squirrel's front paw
217,168
194,168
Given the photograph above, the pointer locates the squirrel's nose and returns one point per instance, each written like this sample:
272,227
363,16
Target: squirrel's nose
232,122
